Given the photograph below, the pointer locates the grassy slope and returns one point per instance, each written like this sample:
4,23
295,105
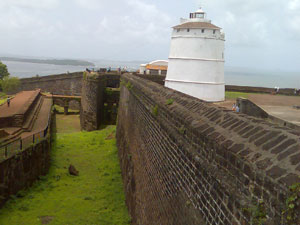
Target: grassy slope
235,95
94,197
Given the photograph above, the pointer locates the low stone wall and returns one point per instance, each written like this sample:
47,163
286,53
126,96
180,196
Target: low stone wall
185,161
248,107
21,170
248,89
159,79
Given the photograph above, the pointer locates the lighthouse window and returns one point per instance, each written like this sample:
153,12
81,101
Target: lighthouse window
202,30
188,30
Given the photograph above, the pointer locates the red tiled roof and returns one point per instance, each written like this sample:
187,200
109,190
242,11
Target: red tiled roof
196,25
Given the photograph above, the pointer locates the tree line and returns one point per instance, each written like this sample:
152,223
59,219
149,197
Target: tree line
7,83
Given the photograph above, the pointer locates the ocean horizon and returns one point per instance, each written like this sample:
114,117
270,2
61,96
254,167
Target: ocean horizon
233,75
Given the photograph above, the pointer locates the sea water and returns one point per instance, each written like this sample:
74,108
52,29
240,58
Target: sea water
233,75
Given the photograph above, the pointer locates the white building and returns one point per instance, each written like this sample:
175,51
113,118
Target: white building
157,67
196,61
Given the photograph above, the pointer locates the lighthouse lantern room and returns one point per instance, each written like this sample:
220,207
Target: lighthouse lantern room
196,60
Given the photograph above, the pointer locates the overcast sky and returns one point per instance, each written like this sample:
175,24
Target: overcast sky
259,34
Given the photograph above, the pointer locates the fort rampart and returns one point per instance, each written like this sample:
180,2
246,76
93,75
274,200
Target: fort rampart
185,161
70,84
61,84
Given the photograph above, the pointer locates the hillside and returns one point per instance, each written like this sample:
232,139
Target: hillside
70,62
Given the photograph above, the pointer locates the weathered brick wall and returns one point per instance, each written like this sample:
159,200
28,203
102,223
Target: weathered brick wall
92,97
99,100
20,170
159,79
185,161
111,103
61,84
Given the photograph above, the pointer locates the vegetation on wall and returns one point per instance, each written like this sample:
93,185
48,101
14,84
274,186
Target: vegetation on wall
169,101
293,205
155,110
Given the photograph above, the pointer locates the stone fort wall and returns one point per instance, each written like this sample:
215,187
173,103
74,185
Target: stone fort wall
22,168
185,161
61,84
99,100
70,84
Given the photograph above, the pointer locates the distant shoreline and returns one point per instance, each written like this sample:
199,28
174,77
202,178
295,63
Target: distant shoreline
66,62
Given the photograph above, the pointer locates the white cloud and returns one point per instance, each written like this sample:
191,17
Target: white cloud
33,4
139,29
91,4
294,5
255,22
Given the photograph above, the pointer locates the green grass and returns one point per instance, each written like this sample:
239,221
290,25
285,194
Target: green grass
67,124
2,98
61,109
94,197
2,101
235,95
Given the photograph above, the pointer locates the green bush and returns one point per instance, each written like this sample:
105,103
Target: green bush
9,84
3,71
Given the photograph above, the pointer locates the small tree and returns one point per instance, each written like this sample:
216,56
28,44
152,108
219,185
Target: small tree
3,71
9,84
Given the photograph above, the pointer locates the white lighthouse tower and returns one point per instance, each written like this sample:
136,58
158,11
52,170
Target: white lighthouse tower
196,61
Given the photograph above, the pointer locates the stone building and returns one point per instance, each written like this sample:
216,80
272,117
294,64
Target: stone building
196,60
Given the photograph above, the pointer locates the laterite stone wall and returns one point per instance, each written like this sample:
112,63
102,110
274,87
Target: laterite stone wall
22,169
98,105
185,161
92,97
61,84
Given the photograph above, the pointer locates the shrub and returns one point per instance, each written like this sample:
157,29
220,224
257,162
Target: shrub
9,84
